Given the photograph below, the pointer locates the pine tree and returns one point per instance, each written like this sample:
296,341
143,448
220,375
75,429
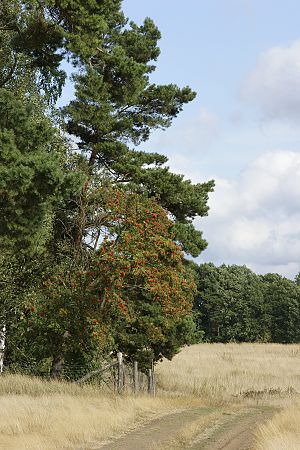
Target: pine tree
116,105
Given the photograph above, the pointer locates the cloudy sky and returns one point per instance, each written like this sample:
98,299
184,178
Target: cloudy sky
243,59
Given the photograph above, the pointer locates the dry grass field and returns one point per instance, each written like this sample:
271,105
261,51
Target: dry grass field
253,374
43,415
38,414
220,373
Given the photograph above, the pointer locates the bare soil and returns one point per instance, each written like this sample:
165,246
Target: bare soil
231,431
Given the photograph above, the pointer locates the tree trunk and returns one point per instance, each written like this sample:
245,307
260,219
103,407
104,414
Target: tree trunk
59,359
2,346
57,366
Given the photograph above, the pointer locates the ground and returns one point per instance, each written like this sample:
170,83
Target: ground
217,429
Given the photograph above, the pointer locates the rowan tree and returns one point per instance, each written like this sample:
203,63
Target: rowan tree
145,278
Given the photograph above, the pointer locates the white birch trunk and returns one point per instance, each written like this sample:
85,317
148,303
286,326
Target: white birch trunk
2,346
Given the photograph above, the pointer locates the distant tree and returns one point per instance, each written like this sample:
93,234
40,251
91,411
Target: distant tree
297,279
282,296
231,304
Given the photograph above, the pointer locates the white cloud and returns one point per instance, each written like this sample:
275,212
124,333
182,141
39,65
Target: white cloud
274,85
249,234
255,220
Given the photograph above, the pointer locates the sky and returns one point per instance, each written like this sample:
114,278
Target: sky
242,57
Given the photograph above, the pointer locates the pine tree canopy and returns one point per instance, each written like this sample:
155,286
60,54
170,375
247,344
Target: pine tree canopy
116,107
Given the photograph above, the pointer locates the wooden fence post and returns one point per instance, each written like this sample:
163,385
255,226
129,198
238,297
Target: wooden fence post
120,380
151,380
135,377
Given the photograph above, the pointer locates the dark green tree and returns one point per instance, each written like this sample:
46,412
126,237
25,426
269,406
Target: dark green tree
230,304
35,181
282,297
116,107
30,48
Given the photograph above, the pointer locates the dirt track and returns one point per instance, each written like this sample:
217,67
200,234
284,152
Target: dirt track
230,431
236,433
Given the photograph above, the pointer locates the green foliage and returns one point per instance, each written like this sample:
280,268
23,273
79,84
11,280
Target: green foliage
234,304
282,297
55,210
29,44
31,174
230,302
133,295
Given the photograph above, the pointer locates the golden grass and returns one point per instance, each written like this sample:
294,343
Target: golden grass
266,374
37,414
221,373
44,415
282,432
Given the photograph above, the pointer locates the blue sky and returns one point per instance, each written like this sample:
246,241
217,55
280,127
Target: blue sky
242,57
212,45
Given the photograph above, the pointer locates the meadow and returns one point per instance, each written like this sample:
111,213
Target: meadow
243,374
38,414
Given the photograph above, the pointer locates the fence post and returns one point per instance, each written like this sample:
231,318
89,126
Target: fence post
120,381
151,382
135,377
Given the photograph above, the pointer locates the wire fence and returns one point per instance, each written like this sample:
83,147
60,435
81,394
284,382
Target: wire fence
110,376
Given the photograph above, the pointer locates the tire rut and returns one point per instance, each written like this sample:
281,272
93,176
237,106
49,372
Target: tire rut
233,431
237,433
155,433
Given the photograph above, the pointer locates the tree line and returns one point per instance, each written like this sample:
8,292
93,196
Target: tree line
235,304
